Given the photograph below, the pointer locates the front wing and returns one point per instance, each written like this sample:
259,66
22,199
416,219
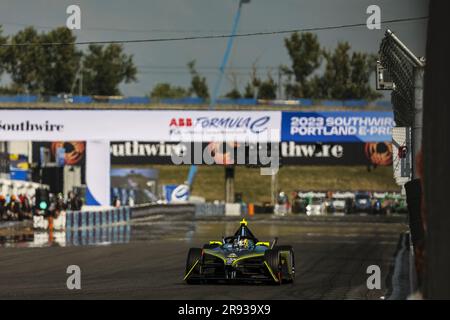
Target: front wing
214,267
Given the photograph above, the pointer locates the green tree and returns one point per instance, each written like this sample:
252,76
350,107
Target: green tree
11,89
347,76
233,94
199,86
41,69
260,88
306,56
267,88
61,63
363,65
26,64
165,90
249,92
105,68
3,40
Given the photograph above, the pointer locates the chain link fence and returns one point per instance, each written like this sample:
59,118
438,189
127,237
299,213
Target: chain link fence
400,67
405,71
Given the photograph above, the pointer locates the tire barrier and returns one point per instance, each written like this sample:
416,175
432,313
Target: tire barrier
93,219
47,223
109,234
80,228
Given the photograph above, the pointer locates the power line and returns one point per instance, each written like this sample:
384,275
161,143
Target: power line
220,36
153,30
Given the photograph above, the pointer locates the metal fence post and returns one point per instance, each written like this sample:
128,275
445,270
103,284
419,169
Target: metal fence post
418,117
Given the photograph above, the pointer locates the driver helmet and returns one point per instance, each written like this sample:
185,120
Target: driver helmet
243,243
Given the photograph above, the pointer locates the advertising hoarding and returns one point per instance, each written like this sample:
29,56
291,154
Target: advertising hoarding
344,126
291,153
146,125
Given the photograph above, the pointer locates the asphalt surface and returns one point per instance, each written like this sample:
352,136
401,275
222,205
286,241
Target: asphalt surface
332,257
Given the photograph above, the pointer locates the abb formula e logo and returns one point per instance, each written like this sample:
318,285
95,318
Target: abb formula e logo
181,122
219,126
180,193
254,125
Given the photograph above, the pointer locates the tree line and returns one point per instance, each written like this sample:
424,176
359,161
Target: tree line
55,69
344,75
314,72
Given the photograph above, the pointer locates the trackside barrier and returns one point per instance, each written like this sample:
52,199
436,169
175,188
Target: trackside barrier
19,99
130,100
82,99
400,287
50,223
119,233
233,209
242,102
169,210
191,101
187,100
93,219
209,210
83,219
110,234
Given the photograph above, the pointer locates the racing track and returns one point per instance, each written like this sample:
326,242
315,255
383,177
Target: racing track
331,262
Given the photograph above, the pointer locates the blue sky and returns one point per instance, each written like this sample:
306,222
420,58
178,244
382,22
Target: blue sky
165,62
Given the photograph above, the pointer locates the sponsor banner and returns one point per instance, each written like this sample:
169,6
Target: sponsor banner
187,153
144,125
337,126
67,152
369,153
291,153
180,194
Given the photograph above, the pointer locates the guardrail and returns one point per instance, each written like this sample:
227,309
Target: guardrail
197,210
141,211
209,210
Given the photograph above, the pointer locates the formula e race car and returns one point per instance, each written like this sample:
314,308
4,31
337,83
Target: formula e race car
240,257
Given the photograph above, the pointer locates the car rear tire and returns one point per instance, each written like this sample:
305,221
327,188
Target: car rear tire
194,255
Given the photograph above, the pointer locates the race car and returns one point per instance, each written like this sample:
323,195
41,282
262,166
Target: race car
241,257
